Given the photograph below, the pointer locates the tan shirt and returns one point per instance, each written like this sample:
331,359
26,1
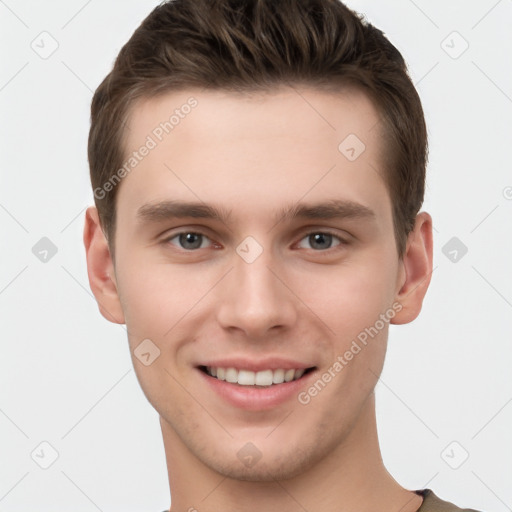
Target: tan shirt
432,503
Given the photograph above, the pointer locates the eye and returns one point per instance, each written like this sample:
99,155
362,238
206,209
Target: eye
320,241
189,240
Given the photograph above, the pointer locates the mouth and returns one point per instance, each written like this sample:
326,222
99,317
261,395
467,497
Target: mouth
261,379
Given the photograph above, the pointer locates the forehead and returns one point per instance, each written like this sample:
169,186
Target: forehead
284,112
254,151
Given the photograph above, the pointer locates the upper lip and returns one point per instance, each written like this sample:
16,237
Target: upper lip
271,363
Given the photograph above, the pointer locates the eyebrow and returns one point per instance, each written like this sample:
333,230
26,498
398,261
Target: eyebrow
331,209
164,210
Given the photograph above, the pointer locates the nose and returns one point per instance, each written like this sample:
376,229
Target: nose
255,299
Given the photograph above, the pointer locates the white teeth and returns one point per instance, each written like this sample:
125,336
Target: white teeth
278,377
246,378
231,375
261,378
288,375
299,373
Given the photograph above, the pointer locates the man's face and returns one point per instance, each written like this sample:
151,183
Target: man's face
257,287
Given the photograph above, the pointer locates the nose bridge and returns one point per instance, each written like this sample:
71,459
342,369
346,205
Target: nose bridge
256,299
256,282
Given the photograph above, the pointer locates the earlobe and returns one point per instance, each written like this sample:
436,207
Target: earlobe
416,270
100,268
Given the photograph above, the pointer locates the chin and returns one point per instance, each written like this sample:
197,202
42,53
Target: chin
262,471
269,468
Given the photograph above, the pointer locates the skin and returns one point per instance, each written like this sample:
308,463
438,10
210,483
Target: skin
252,155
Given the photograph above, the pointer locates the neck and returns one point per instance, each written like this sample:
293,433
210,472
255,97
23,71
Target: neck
352,477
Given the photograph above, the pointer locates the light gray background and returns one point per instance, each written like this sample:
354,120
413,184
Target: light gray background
65,372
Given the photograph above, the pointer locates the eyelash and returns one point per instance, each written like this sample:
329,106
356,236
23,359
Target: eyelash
342,242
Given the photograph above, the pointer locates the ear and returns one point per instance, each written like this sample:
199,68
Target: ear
100,268
416,270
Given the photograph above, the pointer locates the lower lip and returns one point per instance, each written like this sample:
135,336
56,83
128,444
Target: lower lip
256,399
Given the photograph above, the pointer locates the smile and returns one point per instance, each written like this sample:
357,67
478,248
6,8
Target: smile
263,378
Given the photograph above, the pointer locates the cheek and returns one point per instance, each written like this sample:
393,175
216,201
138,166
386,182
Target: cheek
145,295
155,299
156,296
348,298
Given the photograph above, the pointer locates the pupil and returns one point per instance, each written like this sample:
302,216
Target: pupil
190,240
320,240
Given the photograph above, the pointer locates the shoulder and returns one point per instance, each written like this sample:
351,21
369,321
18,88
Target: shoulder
432,503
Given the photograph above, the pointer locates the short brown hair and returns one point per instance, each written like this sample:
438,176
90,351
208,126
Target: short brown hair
251,45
